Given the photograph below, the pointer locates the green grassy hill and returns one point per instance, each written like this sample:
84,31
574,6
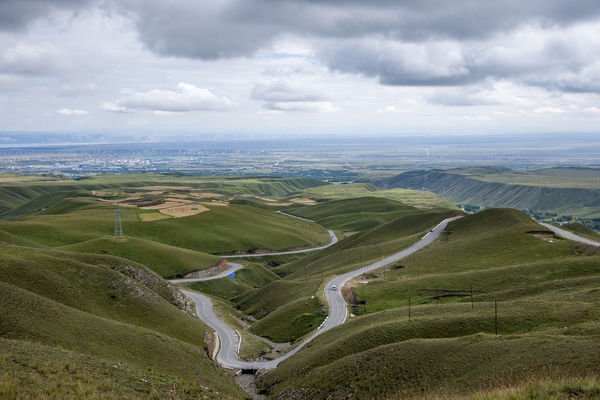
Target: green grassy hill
567,191
287,309
291,321
339,191
355,214
171,246
364,247
221,229
24,195
114,314
165,260
547,289
582,230
252,276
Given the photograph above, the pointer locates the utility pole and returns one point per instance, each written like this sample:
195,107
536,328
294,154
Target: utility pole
496,315
471,296
118,225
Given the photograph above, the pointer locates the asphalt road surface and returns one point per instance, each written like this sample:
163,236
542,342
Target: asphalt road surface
569,235
338,311
333,240
234,267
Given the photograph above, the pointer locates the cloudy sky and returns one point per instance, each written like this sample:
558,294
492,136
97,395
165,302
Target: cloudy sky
304,67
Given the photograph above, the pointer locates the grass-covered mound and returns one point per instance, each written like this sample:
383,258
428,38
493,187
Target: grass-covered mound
252,276
364,247
456,366
107,310
355,214
165,260
547,289
582,230
291,321
221,229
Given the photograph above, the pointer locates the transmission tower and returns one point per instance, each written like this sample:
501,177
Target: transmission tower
118,226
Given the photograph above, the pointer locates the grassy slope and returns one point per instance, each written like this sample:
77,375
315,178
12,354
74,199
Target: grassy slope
221,229
580,229
291,321
107,309
366,246
22,195
540,285
417,367
569,198
568,177
267,299
165,260
9,238
416,198
355,214
284,308
34,371
252,276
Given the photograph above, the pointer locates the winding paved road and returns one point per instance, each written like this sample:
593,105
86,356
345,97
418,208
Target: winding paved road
338,311
569,235
333,240
234,267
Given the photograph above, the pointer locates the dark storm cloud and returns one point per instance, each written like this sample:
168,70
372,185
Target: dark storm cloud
403,43
228,28
16,14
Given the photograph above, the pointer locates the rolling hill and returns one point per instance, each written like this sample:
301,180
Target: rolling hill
548,324
355,214
98,326
562,193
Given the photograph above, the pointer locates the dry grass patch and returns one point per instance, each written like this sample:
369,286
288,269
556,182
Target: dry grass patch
306,201
184,210
163,188
166,204
216,203
205,195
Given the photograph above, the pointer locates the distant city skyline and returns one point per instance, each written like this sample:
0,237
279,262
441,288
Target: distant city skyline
265,69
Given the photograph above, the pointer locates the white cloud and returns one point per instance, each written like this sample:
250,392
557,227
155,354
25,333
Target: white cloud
393,109
306,106
288,94
549,110
33,59
185,97
69,111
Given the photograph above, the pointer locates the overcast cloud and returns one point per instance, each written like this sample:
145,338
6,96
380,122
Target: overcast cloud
356,67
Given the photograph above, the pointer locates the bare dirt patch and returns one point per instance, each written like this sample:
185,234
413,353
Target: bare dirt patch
267,199
548,236
216,203
306,201
205,195
163,188
183,210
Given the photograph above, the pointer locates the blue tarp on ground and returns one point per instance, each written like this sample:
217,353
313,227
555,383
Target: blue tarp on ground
231,275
